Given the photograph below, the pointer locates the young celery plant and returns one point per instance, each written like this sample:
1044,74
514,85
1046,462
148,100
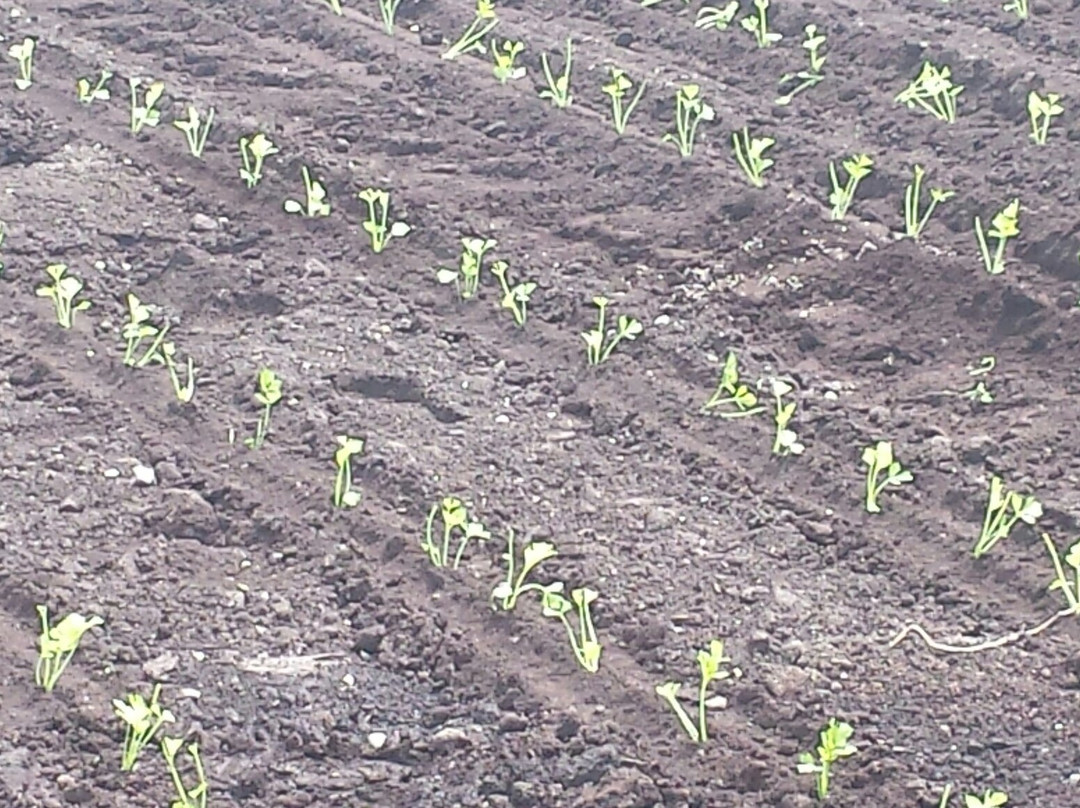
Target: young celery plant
138,329
344,495
785,441
196,130
335,6
934,91
750,155
716,17
1004,509
710,662
990,797
505,595
253,152
144,113
58,644
690,110
879,460
1004,226
731,391
455,521
757,24
810,77
558,87
267,393
142,719
62,291
23,54
1021,8
857,168
505,57
834,743
515,298
466,278
388,12
185,390
913,223
88,92
617,90
627,328
472,41
376,224
1041,110
586,646
194,797
314,205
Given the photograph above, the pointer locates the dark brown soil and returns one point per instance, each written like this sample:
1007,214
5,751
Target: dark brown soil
286,632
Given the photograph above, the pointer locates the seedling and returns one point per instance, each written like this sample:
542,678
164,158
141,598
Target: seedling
913,223
990,798
194,797
833,745
732,392
979,391
267,393
934,91
1004,226
184,391
810,77
378,212
505,57
137,329
466,278
879,461
716,17
314,204
1041,110
472,41
388,12
1021,9
857,169
586,646
507,592
515,298
344,495
558,87
57,645
1004,509
196,130
144,113
690,110
616,89
62,291
758,25
627,328
88,93
785,442
750,155
710,661
23,53
142,720
335,6
253,151
455,522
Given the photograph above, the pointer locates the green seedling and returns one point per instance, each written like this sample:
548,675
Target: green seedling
1041,110
62,291
1004,509
732,392
194,797
690,110
627,328
913,222
934,91
507,592
785,442
586,646
376,225
750,155
253,151
558,87
515,298
857,168
1021,9
455,522
267,393
23,53
472,41
466,278
58,644
196,130
710,662
137,330
617,90
979,391
88,92
880,463
142,720
834,743
144,113
335,6
716,17
505,58
810,77
344,495
184,391
388,12
1068,584
314,205
1004,226
757,24
990,798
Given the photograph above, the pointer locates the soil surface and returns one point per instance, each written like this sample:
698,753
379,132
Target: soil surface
289,634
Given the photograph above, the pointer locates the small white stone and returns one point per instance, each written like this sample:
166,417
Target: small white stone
663,319
112,474
348,680
144,475
377,739
502,419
